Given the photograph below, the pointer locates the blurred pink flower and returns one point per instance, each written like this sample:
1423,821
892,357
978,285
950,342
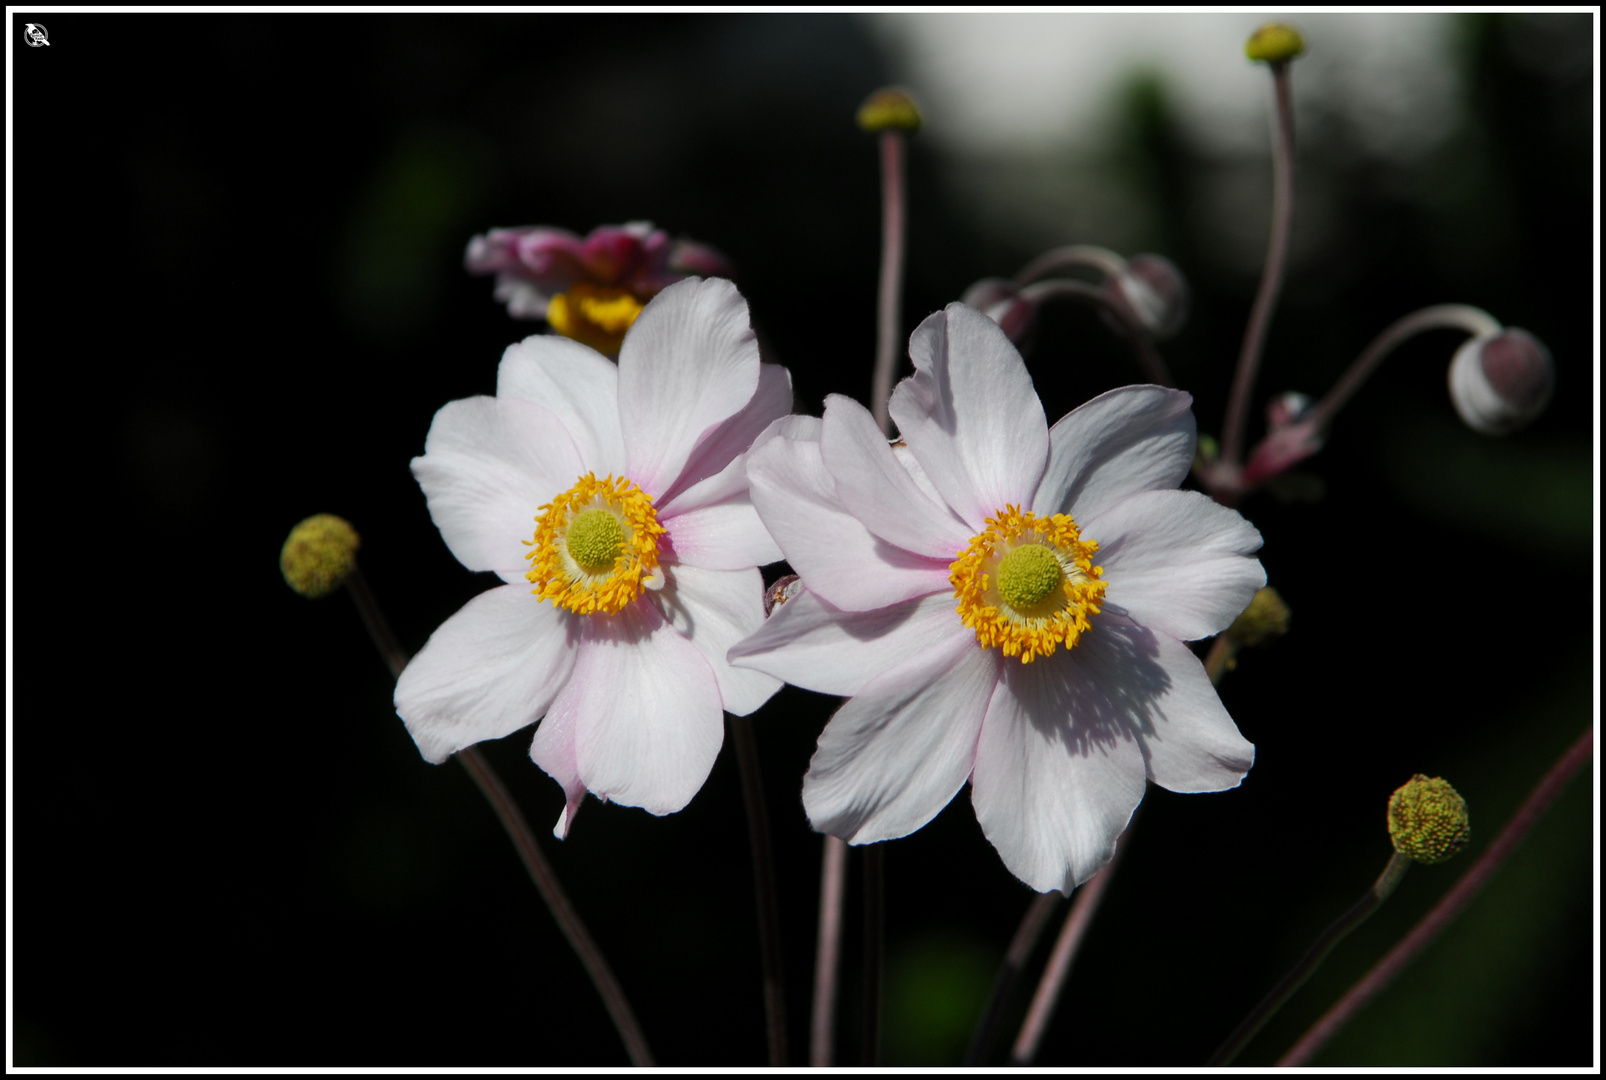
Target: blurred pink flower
588,289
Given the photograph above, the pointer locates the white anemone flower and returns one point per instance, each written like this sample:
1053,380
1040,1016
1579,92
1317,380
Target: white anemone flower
613,501
1002,602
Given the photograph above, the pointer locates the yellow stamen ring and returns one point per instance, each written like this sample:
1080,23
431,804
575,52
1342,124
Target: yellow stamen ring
1027,584
594,315
595,546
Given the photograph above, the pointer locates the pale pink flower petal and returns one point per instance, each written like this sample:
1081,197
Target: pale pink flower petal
895,754
708,475
877,490
716,609
645,710
1135,438
841,559
1188,741
1175,561
976,425
579,385
809,643
488,466
688,364
725,536
1058,773
489,670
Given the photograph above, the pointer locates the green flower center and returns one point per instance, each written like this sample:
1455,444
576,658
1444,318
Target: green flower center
1028,575
595,540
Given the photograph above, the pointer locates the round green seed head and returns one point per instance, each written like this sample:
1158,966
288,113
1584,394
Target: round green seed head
595,540
890,109
1263,621
1028,575
1428,820
319,554
1275,43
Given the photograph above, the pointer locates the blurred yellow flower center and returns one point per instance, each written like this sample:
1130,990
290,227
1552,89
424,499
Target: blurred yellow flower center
1027,583
594,315
595,546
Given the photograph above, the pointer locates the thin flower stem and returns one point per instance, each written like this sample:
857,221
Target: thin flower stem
828,951
1047,996
1406,950
874,924
769,915
518,830
889,306
373,618
1020,951
546,882
1154,368
1282,217
1442,316
1291,982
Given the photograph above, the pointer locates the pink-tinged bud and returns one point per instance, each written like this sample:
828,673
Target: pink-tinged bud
1000,300
1501,382
780,592
1155,291
535,263
1280,451
1286,408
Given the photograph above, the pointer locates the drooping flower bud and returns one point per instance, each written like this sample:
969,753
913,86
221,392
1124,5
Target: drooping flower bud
1274,43
890,109
1001,301
319,555
1501,382
1428,819
780,592
1155,291
1286,408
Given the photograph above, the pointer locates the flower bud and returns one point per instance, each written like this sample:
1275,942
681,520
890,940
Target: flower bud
319,555
782,591
1000,300
1263,621
1287,408
1428,820
1275,43
891,109
1155,291
1501,382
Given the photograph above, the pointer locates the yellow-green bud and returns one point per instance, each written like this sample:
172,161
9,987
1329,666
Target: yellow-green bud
1275,43
319,554
1428,820
1264,620
890,109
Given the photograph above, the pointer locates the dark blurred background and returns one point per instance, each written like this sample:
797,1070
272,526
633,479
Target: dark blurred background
238,298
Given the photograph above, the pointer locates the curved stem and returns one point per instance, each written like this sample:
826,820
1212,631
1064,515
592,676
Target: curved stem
1075,255
1020,951
518,830
1370,902
828,951
546,882
1142,343
1406,950
889,306
1474,321
1047,996
1282,217
769,916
